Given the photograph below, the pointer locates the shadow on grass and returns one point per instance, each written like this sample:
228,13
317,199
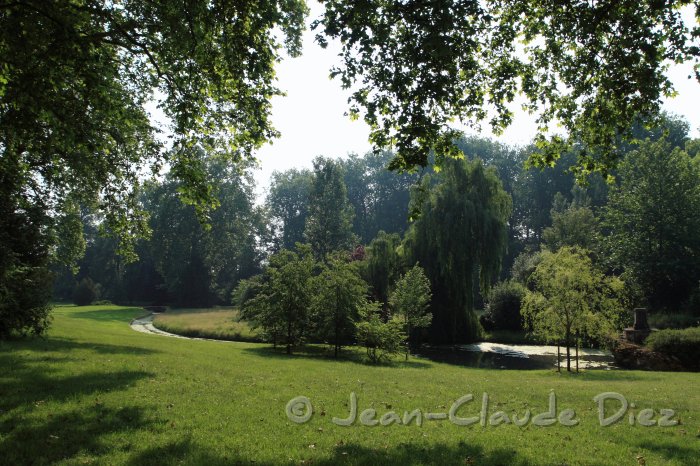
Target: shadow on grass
66,345
412,454
184,452
110,315
320,353
687,455
62,436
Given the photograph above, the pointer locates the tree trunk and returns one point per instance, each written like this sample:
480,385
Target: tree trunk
558,356
408,333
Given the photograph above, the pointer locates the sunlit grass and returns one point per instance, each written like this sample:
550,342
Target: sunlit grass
217,323
97,392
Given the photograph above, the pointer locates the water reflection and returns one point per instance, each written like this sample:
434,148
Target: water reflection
523,357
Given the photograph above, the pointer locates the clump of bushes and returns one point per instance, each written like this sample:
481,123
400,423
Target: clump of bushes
666,320
85,293
503,311
382,340
682,344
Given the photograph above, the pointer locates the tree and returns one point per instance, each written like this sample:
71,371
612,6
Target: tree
381,266
592,67
460,235
281,305
411,300
288,204
573,224
73,83
504,303
652,221
571,300
85,292
201,264
338,295
382,339
378,196
329,222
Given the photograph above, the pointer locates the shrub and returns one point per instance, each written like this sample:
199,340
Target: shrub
85,292
503,312
683,344
666,320
382,339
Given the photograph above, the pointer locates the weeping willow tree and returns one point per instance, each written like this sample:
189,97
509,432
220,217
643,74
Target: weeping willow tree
459,236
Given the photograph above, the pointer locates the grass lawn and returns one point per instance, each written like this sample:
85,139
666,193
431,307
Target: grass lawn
217,323
96,391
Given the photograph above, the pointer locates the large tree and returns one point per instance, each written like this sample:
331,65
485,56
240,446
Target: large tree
329,222
282,302
653,219
74,78
288,205
571,300
460,235
339,293
416,67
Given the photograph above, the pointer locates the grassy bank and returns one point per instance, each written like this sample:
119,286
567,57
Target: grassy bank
216,323
96,392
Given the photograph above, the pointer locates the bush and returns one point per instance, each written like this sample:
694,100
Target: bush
666,320
683,344
382,339
24,301
85,292
503,311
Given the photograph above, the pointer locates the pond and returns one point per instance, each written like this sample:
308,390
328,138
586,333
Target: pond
506,356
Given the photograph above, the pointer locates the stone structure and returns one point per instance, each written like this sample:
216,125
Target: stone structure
640,330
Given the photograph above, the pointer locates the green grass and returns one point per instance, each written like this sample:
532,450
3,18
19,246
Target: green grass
97,392
217,323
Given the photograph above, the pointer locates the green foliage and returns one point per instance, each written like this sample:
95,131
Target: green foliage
524,266
682,344
378,196
503,311
653,218
461,235
329,222
202,265
85,293
281,307
573,224
589,67
410,301
338,296
664,320
288,205
571,300
382,340
381,265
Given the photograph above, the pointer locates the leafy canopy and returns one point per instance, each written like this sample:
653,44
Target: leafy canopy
415,68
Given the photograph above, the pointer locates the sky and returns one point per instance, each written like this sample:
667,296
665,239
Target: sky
311,117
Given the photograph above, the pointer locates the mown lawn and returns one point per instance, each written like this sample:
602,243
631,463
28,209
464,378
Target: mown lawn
217,323
97,392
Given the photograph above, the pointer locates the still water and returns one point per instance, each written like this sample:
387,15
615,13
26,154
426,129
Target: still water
501,356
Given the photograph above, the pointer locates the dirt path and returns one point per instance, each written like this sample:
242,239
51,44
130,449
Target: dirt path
145,325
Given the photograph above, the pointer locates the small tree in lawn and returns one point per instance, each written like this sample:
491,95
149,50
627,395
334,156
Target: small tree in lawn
339,294
410,300
570,300
381,339
281,306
